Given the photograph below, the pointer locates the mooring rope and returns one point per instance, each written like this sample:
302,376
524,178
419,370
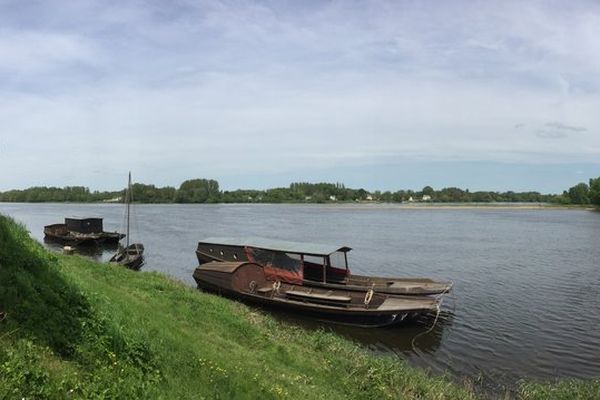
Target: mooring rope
414,339
437,315
276,286
368,297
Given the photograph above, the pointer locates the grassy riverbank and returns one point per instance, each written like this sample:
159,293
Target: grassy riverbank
73,328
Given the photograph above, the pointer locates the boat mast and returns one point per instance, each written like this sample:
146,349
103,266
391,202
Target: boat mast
128,200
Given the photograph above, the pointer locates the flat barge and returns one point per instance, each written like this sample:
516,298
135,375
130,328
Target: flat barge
81,231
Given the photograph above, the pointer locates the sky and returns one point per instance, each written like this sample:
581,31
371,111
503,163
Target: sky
376,94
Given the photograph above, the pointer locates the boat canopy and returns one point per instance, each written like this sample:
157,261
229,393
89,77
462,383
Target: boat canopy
277,265
84,225
310,249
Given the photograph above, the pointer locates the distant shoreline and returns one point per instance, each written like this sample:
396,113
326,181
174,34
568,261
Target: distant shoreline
366,204
207,191
476,205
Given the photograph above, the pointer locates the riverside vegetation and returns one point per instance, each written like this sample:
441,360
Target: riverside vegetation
74,328
207,191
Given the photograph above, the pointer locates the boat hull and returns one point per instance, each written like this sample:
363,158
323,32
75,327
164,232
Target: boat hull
59,233
246,282
131,257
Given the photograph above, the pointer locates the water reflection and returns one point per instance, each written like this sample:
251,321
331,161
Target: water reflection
419,335
96,252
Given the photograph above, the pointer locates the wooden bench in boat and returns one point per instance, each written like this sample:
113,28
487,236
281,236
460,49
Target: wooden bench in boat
317,297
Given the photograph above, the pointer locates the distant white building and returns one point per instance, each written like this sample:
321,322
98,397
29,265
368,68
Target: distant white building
426,197
369,197
115,200
332,198
410,199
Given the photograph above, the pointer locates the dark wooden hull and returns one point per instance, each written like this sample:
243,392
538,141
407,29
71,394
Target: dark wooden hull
131,257
246,282
59,233
359,283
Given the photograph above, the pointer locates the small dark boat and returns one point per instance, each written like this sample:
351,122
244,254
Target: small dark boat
319,265
250,282
81,231
130,255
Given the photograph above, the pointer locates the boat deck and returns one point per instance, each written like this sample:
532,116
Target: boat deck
394,303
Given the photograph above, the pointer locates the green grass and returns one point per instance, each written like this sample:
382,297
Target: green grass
564,390
73,328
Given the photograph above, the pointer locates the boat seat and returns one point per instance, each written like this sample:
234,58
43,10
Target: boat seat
317,296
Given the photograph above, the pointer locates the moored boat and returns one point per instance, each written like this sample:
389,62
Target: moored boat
81,231
130,255
321,266
250,282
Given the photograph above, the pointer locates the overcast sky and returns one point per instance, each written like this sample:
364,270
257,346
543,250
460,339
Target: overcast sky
382,95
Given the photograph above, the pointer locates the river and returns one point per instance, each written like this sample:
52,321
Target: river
526,300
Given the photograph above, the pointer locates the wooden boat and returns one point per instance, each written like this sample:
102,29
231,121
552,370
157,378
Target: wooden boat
319,265
81,231
130,255
249,282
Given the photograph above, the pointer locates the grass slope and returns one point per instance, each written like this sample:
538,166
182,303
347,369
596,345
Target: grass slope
73,328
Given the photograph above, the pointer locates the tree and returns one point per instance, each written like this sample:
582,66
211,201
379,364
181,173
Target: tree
453,194
580,194
594,192
198,191
428,190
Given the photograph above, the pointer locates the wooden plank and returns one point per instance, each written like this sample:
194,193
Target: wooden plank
317,296
416,304
221,266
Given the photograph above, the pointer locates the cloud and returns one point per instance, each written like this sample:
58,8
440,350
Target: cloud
557,130
561,126
208,88
29,51
548,134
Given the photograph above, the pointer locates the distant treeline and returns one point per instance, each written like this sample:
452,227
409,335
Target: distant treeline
207,191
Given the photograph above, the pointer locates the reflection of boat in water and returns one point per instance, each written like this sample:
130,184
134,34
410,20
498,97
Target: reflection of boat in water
322,266
130,255
414,339
251,282
81,231
94,251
